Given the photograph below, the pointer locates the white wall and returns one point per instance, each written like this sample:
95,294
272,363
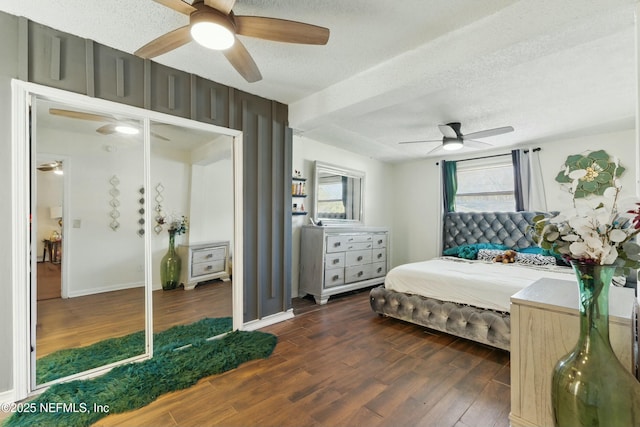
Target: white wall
101,259
416,192
378,211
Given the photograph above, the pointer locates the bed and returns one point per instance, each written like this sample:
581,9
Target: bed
464,296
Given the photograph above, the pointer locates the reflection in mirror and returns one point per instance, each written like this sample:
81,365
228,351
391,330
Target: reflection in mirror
87,236
338,194
191,177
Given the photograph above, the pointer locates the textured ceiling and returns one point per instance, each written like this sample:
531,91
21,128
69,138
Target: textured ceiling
551,69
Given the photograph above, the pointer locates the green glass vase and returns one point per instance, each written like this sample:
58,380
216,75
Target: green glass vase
170,265
590,387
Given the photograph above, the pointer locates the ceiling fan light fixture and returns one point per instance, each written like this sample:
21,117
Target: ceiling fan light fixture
212,29
127,130
451,144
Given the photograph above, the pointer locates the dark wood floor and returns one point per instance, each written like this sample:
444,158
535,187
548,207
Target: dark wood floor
343,365
81,321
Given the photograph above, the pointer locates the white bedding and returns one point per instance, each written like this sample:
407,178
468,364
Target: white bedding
478,283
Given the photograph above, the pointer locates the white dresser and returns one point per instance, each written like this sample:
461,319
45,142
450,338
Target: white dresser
339,259
204,261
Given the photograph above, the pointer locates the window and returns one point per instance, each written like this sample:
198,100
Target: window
330,195
485,185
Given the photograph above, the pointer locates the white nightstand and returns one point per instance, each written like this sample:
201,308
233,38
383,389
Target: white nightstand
204,261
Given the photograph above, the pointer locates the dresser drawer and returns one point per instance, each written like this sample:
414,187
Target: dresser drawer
359,238
379,255
210,254
333,277
379,240
202,268
337,243
359,246
334,260
357,273
378,269
357,257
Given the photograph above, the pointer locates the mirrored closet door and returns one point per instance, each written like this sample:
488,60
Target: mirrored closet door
108,187
87,237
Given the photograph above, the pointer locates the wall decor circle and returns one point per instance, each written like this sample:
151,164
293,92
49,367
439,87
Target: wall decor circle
601,171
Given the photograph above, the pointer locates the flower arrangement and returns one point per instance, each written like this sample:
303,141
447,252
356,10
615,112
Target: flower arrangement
594,233
177,224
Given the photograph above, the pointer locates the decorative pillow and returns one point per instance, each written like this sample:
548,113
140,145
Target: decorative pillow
546,252
528,259
535,259
489,254
471,251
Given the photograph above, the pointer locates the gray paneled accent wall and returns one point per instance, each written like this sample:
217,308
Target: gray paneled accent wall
36,53
267,204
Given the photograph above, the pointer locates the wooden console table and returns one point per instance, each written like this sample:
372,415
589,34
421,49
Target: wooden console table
53,247
545,327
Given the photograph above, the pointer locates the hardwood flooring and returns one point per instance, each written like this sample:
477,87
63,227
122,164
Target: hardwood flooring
80,321
342,365
49,278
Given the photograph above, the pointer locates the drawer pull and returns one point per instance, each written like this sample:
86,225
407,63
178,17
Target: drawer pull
360,273
380,241
360,258
335,277
379,269
337,244
336,261
379,256
209,256
209,267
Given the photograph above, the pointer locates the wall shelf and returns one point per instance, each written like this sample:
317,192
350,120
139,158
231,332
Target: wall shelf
298,213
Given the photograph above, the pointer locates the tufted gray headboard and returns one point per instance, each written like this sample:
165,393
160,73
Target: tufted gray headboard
505,228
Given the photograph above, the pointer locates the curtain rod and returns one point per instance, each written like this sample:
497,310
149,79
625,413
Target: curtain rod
489,157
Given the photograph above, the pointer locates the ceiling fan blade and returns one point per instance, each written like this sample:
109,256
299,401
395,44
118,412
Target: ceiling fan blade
477,144
107,129
239,57
177,5
79,115
436,148
489,132
448,131
165,43
224,6
281,30
418,142
159,136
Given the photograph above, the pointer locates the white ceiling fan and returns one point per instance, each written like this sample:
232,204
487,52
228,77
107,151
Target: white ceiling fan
113,125
453,139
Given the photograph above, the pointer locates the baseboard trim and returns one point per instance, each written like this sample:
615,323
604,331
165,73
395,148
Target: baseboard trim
269,320
120,287
7,396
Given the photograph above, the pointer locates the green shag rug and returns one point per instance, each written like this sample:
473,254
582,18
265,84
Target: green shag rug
70,361
134,385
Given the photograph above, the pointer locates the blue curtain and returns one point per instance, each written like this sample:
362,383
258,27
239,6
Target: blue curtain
449,185
519,166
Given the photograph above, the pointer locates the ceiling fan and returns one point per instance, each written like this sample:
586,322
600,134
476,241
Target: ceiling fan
453,139
55,166
112,125
213,24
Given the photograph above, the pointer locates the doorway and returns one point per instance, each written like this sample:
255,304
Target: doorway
50,182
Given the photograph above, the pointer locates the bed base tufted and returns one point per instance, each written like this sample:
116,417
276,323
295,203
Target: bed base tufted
484,326
481,325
